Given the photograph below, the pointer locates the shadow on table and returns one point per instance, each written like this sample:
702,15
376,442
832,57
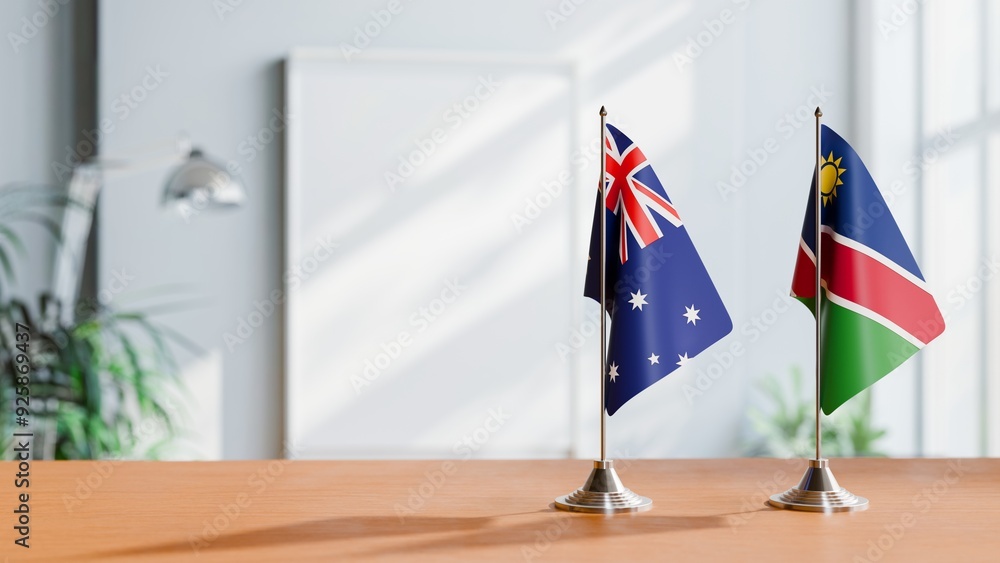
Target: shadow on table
545,528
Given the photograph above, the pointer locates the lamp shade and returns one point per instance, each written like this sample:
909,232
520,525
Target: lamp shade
202,183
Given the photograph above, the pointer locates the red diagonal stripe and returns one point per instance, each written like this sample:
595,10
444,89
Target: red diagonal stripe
635,214
804,278
657,199
861,279
619,171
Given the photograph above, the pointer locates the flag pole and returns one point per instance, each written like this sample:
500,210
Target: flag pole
818,208
602,186
818,490
603,492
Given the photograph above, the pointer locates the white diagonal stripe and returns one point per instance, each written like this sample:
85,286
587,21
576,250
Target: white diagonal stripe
872,315
871,253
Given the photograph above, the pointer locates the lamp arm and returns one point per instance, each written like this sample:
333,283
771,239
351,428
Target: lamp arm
77,221
157,157
83,189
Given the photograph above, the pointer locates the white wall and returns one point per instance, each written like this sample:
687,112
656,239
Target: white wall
222,81
36,109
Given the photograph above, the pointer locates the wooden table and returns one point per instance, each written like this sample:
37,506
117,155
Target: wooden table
704,510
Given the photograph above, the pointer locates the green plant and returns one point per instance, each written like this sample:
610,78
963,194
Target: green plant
788,428
92,383
101,379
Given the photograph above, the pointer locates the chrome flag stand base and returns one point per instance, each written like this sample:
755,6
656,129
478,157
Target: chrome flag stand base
603,493
818,491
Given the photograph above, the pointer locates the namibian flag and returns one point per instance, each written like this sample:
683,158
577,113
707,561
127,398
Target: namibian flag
876,310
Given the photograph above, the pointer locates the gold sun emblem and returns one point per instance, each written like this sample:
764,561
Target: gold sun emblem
829,174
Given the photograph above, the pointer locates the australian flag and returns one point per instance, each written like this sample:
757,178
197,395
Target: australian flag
664,307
